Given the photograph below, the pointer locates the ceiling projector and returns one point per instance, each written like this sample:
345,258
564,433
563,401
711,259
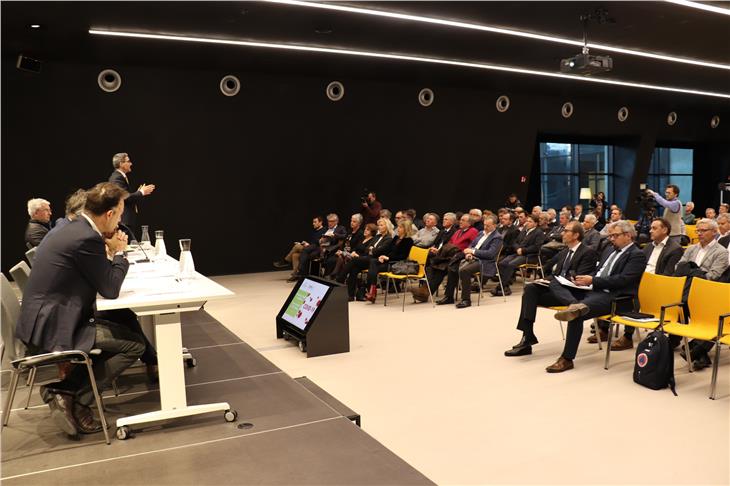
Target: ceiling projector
586,64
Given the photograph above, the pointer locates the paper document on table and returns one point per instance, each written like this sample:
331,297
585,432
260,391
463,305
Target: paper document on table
567,283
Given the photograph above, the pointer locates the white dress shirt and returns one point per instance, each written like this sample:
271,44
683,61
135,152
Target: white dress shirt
703,252
654,258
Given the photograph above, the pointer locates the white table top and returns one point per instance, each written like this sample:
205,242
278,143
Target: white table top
154,284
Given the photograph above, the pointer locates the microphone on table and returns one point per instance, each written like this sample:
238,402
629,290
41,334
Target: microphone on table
133,239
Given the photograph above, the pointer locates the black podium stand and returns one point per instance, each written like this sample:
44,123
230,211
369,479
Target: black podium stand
327,330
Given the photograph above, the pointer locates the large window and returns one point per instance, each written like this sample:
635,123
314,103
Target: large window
566,168
672,166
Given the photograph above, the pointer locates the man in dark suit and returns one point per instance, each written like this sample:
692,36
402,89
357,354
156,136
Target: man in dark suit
123,166
330,241
526,247
619,273
39,225
508,231
575,259
662,255
58,305
478,257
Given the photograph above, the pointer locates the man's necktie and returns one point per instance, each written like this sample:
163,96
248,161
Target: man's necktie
606,270
566,264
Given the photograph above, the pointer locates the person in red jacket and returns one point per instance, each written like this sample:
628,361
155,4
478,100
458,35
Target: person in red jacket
371,208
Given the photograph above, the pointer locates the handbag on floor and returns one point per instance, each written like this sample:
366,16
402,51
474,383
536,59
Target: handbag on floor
405,267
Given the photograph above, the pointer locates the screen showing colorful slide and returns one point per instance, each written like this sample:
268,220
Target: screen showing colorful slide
305,303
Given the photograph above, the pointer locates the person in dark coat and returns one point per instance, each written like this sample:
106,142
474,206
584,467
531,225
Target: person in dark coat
58,310
39,225
122,167
399,250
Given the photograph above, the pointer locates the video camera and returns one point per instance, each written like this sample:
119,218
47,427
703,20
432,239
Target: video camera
645,200
364,196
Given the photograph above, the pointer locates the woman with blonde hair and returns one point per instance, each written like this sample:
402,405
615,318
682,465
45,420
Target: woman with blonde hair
399,250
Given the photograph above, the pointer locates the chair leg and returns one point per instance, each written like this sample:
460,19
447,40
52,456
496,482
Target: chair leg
562,331
115,387
611,325
687,353
99,404
11,395
617,330
501,286
715,366
387,287
428,286
404,292
31,377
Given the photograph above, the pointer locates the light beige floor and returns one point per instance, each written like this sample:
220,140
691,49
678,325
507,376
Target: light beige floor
434,386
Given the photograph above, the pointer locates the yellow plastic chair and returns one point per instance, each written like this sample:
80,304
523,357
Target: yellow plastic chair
659,296
691,231
708,301
723,340
420,255
531,266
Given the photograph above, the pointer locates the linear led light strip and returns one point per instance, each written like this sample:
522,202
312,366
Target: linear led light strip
499,30
401,57
701,6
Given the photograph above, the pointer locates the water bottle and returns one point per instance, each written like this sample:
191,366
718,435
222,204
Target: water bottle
145,241
160,250
187,266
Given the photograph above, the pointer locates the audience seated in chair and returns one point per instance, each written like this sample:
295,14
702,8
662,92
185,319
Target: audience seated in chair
333,260
480,256
426,236
380,244
554,239
591,237
575,259
329,242
707,259
399,250
450,252
292,258
74,207
616,215
526,247
39,225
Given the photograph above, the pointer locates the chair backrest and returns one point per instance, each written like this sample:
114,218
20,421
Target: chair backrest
420,255
12,349
658,290
691,231
30,255
707,301
21,274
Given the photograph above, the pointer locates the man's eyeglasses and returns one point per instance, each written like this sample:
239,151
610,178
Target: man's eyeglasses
698,230
615,235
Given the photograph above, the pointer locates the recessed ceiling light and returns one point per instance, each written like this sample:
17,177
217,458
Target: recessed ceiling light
499,30
404,57
701,6
35,26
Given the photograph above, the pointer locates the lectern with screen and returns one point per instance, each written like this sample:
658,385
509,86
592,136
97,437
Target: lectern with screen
316,315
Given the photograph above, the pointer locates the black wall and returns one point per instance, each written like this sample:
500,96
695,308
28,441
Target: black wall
242,176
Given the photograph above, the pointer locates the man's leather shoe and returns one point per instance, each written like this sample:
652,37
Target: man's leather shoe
463,304
282,264
573,311
519,350
601,333
526,341
61,406
703,361
444,301
560,365
85,421
622,343
293,278
497,292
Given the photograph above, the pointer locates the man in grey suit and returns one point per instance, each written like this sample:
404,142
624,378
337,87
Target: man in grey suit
712,259
662,255
123,166
591,237
58,305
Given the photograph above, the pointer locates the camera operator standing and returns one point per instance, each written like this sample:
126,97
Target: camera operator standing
673,210
370,208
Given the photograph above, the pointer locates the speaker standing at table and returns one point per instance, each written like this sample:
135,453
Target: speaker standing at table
123,166
57,313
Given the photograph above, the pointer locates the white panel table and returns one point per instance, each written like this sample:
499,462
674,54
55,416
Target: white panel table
153,289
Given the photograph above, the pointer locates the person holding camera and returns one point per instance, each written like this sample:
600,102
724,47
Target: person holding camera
672,210
370,208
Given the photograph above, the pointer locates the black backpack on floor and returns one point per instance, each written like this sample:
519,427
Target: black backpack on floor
654,365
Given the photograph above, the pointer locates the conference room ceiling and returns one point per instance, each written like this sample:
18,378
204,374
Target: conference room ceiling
657,27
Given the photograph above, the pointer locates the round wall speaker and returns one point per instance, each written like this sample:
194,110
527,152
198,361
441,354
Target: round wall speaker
425,97
230,85
715,121
335,91
623,114
109,80
672,118
502,103
567,109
